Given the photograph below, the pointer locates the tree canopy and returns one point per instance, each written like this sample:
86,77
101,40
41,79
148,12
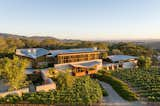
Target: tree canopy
144,62
13,70
8,46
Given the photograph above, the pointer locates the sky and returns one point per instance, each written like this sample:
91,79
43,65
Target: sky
82,19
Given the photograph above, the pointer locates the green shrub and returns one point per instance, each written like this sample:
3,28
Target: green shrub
120,87
83,91
146,82
39,97
11,99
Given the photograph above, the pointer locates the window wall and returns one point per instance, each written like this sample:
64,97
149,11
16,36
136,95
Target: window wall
68,58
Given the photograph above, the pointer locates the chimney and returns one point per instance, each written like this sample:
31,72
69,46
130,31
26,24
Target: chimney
29,50
95,48
18,51
33,51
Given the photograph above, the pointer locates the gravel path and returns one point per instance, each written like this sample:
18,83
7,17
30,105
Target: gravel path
3,87
113,99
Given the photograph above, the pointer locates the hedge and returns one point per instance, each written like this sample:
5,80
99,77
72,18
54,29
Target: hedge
119,86
83,91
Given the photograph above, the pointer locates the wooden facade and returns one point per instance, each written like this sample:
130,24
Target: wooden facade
83,70
48,60
77,57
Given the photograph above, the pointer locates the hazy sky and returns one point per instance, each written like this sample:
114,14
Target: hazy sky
82,19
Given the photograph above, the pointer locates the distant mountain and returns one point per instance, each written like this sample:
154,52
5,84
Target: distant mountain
39,38
6,35
70,40
152,43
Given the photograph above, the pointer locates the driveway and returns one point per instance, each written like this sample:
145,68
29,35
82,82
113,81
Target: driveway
113,99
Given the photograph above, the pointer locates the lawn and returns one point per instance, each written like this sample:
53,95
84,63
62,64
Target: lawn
146,83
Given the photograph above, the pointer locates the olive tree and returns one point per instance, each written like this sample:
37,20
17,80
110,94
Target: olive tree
144,62
13,70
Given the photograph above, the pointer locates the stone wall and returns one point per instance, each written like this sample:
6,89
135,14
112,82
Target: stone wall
18,92
46,87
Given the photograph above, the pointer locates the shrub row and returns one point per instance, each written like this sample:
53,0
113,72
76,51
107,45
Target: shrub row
83,91
146,82
11,99
119,86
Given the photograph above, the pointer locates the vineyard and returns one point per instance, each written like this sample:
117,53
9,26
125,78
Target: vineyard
146,83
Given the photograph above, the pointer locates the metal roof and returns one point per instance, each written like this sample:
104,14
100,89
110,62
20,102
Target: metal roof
87,64
66,51
32,52
115,58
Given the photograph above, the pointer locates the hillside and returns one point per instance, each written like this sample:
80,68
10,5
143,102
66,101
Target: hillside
38,38
155,44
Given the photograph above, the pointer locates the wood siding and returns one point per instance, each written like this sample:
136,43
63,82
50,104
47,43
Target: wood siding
77,57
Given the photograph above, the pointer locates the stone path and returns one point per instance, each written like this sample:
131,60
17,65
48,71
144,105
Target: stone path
113,99
3,87
32,88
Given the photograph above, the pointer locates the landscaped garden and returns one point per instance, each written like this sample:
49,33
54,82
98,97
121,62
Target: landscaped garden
145,82
119,86
70,90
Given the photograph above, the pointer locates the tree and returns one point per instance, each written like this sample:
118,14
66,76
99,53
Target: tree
65,80
3,45
130,48
52,72
116,52
104,55
13,70
144,62
49,43
29,43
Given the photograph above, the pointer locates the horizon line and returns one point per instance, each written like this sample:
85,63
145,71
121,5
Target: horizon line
61,38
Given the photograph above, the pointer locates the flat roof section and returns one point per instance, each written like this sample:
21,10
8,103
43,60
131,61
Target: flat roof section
115,58
87,64
67,51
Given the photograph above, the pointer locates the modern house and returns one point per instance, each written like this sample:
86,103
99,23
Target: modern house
120,61
67,59
85,60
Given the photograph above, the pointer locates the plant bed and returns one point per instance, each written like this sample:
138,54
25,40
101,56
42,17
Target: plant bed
146,82
119,86
83,91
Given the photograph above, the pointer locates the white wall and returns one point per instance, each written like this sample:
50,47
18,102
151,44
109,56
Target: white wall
65,66
127,65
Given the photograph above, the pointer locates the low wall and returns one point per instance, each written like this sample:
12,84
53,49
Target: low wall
49,84
127,65
18,92
46,87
